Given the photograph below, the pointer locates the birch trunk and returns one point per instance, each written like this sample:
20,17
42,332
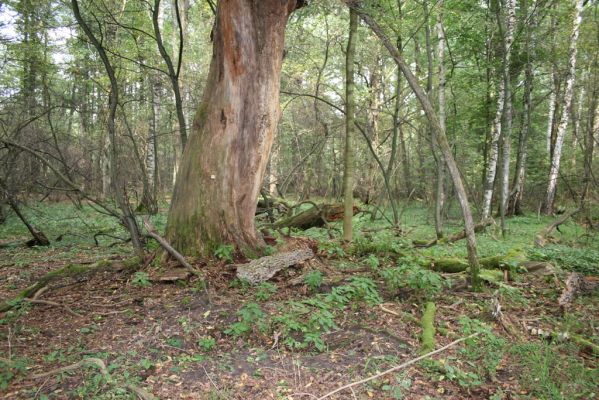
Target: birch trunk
563,124
507,129
440,191
496,129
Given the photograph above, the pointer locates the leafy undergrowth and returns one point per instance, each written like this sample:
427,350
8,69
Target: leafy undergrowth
347,315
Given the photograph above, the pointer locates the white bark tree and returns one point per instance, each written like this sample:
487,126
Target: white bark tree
565,114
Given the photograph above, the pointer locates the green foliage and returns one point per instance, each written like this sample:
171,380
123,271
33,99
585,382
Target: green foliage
224,252
359,289
583,260
552,372
250,316
10,370
313,279
264,291
413,276
372,261
331,248
207,343
486,349
141,279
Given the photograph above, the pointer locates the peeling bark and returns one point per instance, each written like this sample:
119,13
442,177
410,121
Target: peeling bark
224,161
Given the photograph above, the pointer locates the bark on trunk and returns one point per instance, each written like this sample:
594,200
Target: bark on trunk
440,191
563,124
348,172
516,197
224,161
499,123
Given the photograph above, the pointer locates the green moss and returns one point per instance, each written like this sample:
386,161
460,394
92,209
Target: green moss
428,328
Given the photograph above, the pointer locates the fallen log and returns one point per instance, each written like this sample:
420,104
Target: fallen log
576,284
428,328
264,268
315,216
541,237
513,259
457,237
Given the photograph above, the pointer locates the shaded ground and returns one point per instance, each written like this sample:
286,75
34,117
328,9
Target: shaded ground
180,340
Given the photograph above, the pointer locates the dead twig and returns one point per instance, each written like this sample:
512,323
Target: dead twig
53,303
396,368
86,361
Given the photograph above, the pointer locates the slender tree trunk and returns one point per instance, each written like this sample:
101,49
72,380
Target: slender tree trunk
224,161
496,132
506,140
563,124
348,171
516,197
174,70
441,139
592,132
374,104
117,183
440,191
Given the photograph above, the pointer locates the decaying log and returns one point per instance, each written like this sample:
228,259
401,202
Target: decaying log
264,268
576,284
457,237
315,216
428,328
541,237
512,259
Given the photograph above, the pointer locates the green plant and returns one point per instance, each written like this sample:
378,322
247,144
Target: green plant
313,279
207,343
224,252
414,277
265,290
486,349
10,369
332,249
141,279
372,261
249,316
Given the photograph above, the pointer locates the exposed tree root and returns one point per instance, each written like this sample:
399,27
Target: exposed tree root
53,303
428,328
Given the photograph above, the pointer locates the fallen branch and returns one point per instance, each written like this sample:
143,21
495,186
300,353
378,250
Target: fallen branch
144,395
264,268
86,361
53,303
541,237
397,368
67,271
166,246
458,236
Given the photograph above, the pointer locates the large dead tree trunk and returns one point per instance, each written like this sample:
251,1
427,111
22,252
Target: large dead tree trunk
224,161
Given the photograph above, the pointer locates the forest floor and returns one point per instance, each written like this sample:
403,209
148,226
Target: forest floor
350,313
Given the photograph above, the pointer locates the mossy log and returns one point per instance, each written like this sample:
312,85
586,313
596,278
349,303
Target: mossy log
513,259
427,322
315,216
69,271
